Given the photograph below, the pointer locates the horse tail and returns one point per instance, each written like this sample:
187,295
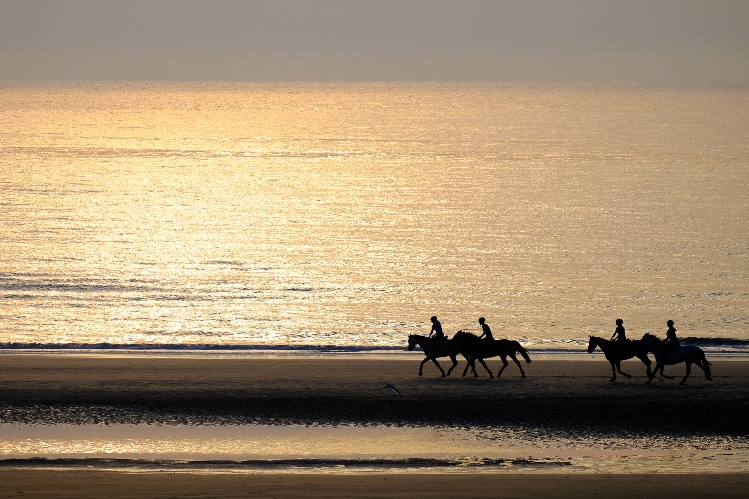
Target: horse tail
522,351
706,364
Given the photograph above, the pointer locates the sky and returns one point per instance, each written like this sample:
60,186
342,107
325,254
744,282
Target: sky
375,40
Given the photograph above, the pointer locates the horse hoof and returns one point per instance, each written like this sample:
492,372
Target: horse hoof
612,380
524,376
709,379
444,375
421,374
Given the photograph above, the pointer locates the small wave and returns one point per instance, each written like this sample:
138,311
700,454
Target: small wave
273,464
715,342
714,345
197,347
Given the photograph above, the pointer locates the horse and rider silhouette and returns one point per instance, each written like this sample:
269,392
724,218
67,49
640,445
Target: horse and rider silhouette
478,348
470,346
667,352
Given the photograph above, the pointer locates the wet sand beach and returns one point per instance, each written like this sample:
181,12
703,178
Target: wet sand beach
562,397
85,483
565,394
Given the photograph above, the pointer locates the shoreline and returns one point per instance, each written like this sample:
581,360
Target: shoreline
416,356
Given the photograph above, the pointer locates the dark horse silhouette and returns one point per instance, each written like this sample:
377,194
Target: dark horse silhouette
688,354
474,348
615,353
432,350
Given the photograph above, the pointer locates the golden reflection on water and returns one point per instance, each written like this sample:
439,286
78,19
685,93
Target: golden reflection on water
350,213
623,455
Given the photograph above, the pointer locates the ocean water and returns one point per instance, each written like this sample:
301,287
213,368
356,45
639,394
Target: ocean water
357,449
329,216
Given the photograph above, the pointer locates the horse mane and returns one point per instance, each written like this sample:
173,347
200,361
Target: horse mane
465,333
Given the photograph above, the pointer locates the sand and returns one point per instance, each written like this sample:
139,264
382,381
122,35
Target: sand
304,390
563,395
82,483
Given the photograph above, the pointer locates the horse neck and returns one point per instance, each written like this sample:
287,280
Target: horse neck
601,343
422,340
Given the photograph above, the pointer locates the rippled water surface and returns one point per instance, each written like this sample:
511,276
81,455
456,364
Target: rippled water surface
356,449
348,214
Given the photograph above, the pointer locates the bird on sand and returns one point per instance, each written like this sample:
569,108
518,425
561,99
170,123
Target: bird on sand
392,387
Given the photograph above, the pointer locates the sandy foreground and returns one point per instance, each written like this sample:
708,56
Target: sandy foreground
571,396
82,483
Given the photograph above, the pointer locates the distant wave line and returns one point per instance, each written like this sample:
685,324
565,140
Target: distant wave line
537,346
110,463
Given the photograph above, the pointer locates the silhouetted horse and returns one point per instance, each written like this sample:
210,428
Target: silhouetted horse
475,348
615,353
688,354
448,348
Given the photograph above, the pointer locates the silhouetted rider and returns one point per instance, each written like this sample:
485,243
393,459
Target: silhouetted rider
487,332
620,336
671,342
436,330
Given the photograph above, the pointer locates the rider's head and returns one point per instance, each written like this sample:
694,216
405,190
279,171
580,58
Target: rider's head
481,320
670,323
619,322
433,318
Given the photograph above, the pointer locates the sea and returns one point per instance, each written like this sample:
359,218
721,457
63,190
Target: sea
319,218
339,217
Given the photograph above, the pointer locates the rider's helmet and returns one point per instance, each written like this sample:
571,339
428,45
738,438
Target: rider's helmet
481,320
670,323
433,318
619,322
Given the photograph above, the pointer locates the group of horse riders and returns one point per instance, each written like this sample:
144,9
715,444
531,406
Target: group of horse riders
670,344
472,347
666,352
478,348
439,336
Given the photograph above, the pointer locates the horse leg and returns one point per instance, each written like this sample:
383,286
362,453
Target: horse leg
613,371
619,368
689,370
455,363
481,361
662,374
515,359
434,359
648,372
421,367
504,364
469,363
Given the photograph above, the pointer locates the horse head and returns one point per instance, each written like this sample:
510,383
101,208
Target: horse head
411,342
592,344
